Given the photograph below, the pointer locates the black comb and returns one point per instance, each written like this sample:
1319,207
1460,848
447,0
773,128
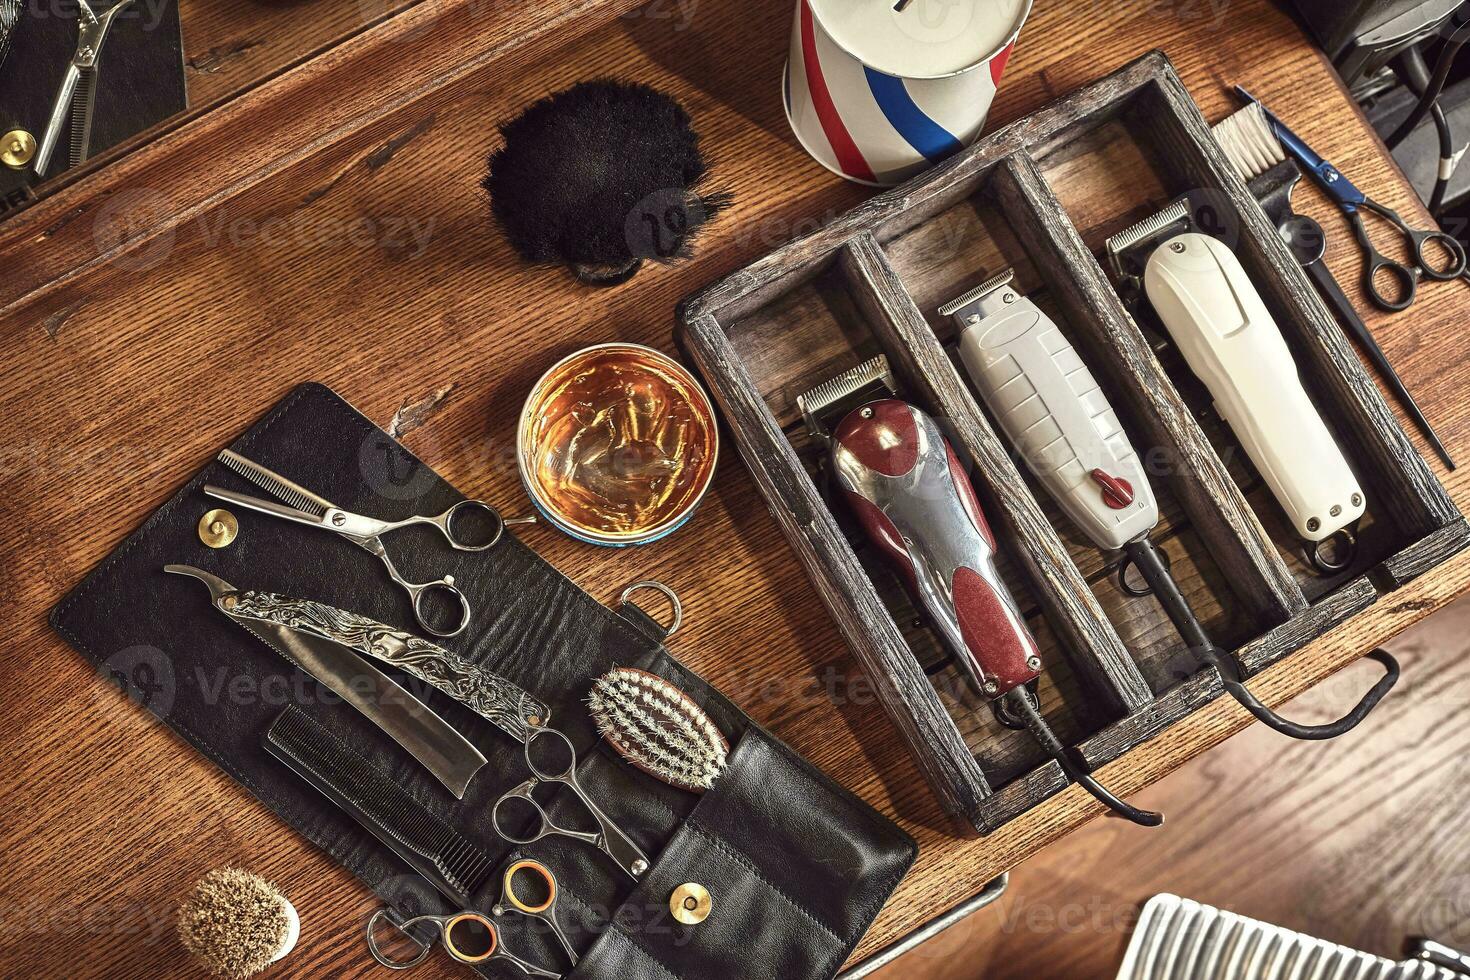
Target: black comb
426,843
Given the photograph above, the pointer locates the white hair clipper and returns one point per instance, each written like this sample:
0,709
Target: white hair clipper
1047,402
1217,319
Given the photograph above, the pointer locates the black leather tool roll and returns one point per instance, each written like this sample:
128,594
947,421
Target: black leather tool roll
797,866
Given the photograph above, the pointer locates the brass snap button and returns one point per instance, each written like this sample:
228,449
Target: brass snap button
17,147
217,528
691,903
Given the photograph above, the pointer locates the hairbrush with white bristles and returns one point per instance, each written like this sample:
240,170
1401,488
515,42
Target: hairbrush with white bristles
658,728
1249,141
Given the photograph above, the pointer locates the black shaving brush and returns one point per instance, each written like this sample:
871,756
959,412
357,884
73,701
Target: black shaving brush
600,177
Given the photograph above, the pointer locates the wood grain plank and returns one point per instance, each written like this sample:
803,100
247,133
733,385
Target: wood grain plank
420,61
230,47
1259,824
127,378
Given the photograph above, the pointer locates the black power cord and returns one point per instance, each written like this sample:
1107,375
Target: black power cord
1410,66
1020,703
1446,161
1429,97
1176,607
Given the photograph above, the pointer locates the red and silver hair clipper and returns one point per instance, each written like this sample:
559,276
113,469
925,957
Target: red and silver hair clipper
899,475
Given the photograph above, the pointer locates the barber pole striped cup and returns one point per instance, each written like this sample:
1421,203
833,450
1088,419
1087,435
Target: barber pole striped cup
877,94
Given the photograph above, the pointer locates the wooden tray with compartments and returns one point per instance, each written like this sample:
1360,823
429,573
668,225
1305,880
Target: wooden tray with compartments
1040,196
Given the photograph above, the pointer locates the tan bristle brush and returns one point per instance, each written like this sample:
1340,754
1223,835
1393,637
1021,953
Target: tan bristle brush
236,923
1249,141
657,728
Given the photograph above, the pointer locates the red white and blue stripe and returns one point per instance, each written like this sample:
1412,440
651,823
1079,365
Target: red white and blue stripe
874,127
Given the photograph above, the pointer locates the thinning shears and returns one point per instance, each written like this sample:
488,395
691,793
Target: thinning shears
1353,202
78,90
304,507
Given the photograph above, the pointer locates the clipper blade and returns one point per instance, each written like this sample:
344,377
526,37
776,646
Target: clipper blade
975,304
830,399
1174,218
978,293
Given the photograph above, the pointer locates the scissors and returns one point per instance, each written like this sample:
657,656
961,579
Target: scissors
91,34
1353,202
541,907
470,937
547,767
305,507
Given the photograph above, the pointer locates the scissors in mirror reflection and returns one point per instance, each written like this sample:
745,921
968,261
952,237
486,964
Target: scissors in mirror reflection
527,888
552,759
470,525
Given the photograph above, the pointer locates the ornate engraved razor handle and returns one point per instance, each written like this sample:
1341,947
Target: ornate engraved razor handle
506,704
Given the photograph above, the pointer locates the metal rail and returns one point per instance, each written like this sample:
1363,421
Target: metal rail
928,931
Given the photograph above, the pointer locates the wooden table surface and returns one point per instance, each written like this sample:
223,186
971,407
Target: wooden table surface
362,257
1362,846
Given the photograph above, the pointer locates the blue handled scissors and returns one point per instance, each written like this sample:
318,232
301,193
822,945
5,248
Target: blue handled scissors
1353,202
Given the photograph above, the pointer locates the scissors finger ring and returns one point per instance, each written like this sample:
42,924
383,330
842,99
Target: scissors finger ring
1454,263
530,889
302,506
556,762
428,617
381,916
468,937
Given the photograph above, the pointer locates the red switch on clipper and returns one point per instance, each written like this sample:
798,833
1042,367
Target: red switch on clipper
899,475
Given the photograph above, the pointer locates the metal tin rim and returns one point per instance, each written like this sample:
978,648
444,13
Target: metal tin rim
1011,36
602,537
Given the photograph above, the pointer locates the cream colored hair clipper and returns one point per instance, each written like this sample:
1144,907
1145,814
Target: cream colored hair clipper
1218,321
